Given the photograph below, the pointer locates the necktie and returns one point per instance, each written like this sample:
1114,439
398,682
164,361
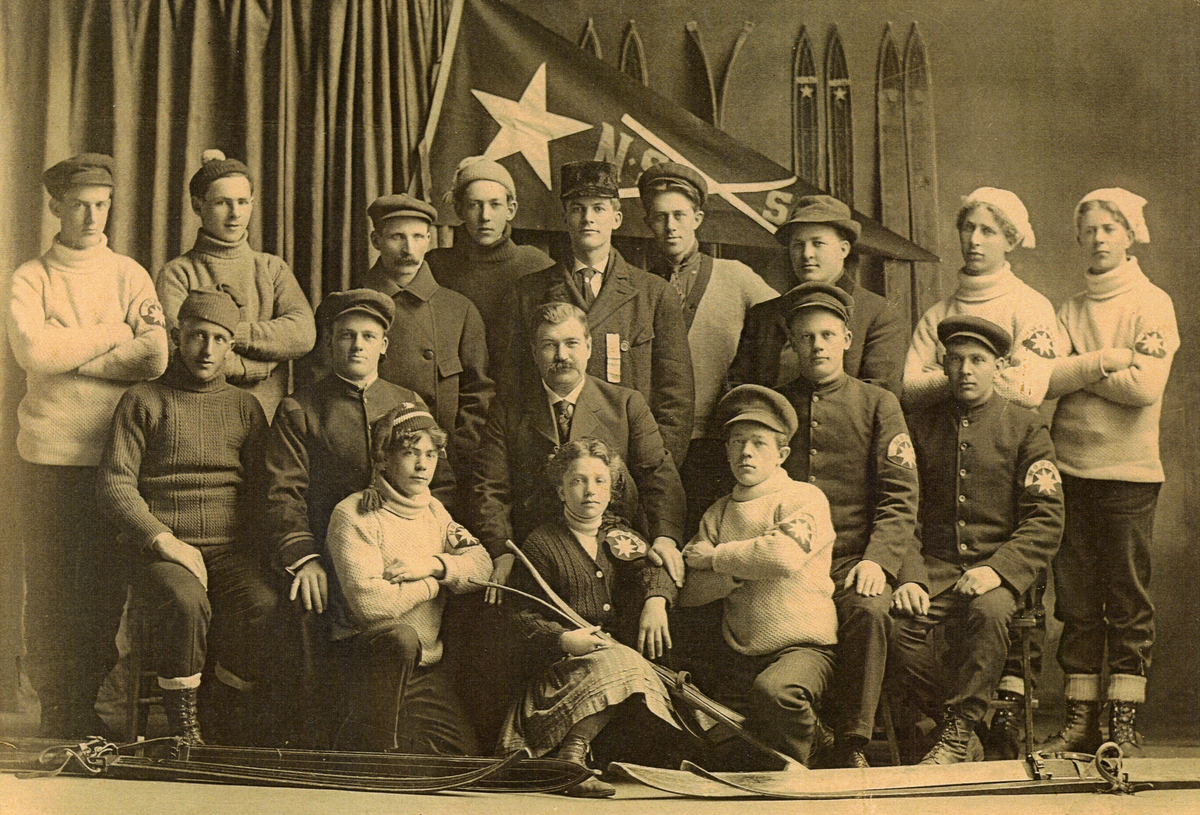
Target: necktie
563,410
584,278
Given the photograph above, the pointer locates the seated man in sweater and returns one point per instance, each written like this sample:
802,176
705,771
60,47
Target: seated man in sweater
484,263
764,552
180,474
277,321
84,323
394,549
991,518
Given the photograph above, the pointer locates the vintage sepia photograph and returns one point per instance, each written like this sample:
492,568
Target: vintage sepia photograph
494,406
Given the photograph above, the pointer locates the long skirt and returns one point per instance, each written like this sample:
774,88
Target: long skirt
574,688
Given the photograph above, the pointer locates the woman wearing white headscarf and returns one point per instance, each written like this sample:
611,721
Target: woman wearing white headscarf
1119,337
991,223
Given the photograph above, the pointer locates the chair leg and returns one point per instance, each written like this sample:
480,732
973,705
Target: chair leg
133,621
1027,671
889,729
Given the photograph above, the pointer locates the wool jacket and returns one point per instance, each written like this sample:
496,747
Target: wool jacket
277,321
991,494
853,444
184,457
716,307
83,324
1004,299
484,276
364,547
639,340
771,565
512,495
608,590
318,451
878,339
1106,424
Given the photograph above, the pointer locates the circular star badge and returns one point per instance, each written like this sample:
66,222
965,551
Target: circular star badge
1042,478
625,545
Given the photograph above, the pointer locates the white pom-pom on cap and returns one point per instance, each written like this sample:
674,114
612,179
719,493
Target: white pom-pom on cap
211,154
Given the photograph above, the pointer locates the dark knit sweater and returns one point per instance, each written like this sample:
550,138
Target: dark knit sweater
183,457
484,275
606,591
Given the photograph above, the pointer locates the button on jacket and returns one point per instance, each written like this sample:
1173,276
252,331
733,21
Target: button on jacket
991,494
853,444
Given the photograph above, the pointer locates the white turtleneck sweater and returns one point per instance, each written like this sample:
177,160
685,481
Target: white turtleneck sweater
1106,423
1005,300
85,324
364,546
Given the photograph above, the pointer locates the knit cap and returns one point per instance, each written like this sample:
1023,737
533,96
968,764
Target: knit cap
1010,206
214,165
214,305
478,168
84,170
1128,203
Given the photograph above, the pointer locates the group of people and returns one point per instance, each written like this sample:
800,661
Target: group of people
784,494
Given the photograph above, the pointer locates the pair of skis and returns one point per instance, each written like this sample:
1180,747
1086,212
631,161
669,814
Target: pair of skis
838,177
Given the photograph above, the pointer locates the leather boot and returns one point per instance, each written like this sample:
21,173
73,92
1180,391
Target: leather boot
575,749
182,721
954,741
1080,734
1002,739
1121,729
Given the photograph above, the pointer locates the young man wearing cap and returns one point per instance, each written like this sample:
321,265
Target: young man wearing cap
638,335
991,518
764,552
397,553
716,294
991,224
317,450
181,475
84,323
819,235
277,321
484,263
436,340
853,444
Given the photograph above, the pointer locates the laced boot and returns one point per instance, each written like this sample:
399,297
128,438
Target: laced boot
1080,734
1003,738
1121,716
182,720
575,749
954,741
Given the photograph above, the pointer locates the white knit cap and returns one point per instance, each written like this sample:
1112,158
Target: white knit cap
1128,203
1010,207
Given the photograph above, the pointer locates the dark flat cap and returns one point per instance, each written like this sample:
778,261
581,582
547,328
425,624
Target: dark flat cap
668,176
214,305
214,165
357,301
976,328
819,209
580,178
84,170
754,403
818,295
401,205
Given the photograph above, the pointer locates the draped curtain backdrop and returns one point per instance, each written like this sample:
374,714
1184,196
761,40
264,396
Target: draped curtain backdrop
325,100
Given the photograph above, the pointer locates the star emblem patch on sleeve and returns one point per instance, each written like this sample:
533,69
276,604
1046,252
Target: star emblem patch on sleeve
151,312
1040,342
626,545
901,452
1042,478
1152,344
800,529
458,536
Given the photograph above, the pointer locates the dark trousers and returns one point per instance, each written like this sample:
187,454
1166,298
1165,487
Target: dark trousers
706,477
236,613
778,693
964,678
864,627
74,588
391,703
1102,576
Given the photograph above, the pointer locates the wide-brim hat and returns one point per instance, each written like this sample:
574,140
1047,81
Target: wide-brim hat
819,209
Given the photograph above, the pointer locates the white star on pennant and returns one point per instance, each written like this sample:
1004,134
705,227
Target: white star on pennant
526,127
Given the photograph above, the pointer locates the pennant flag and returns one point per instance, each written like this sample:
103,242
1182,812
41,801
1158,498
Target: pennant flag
516,92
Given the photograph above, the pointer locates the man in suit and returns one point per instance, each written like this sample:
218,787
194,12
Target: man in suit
638,334
819,235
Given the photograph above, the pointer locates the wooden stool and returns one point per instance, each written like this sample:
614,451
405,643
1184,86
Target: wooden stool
142,689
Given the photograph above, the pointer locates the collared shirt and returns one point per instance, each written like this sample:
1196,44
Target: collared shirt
572,398
684,273
599,269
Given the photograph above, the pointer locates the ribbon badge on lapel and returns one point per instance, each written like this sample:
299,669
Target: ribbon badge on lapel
625,545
